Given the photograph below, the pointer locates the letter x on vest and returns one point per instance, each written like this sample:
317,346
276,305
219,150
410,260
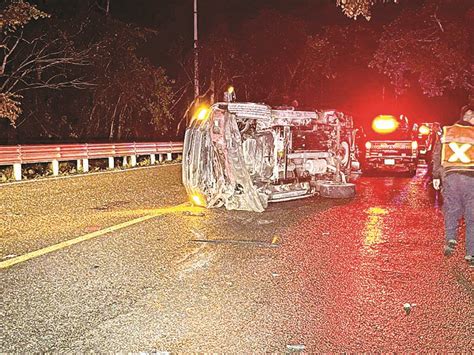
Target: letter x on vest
459,153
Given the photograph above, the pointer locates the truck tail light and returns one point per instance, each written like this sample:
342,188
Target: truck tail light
368,145
414,145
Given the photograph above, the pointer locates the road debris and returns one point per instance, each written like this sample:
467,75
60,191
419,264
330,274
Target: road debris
296,347
111,205
197,233
275,240
9,256
92,229
194,214
408,307
236,241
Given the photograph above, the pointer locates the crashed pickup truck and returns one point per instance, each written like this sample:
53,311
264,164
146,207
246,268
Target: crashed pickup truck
244,155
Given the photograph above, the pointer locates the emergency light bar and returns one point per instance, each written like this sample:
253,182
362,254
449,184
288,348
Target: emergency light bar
384,124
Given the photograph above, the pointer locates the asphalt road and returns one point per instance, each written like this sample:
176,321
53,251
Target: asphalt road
124,264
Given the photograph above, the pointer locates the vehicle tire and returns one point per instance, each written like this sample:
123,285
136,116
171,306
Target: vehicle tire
332,189
345,156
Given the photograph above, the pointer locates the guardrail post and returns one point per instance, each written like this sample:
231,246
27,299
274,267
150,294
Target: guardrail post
134,155
85,163
160,157
79,164
124,162
111,163
17,171
55,167
170,155
152,159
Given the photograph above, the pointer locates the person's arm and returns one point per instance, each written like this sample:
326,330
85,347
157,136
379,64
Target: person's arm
437,168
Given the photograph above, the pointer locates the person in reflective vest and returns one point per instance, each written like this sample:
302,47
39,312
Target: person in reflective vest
453,172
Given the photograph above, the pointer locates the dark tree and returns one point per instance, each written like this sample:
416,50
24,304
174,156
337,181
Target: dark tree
430,48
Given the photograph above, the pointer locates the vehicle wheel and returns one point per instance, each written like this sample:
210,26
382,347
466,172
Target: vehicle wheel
332,189
345,156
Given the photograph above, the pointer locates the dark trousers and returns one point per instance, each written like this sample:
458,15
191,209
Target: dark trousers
458,196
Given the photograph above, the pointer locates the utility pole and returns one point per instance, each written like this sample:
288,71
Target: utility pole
196,54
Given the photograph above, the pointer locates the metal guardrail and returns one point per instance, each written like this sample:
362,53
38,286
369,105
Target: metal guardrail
54,153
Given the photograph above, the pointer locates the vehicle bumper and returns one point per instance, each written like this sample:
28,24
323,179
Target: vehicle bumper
391,162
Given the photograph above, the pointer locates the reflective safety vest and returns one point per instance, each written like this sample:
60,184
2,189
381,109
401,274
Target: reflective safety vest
457,152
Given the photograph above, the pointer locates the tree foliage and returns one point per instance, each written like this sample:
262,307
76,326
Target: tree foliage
356,8
132,98
13,15
123,96
431,48
33,59
16,14
272,56
10,106
274,62
276,69
223,63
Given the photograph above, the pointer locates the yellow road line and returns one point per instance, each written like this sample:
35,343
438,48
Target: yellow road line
52,248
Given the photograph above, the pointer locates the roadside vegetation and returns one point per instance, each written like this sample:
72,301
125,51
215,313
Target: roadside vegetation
87,71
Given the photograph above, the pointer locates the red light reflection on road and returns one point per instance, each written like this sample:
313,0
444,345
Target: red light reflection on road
373,227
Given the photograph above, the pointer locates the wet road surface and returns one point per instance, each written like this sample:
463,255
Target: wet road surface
313,275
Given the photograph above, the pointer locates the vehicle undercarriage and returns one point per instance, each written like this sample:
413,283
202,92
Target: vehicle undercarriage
244,155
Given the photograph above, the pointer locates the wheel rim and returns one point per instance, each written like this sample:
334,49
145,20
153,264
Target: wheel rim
345,157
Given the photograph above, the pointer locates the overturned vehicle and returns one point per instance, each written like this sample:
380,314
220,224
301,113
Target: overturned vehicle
244,155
